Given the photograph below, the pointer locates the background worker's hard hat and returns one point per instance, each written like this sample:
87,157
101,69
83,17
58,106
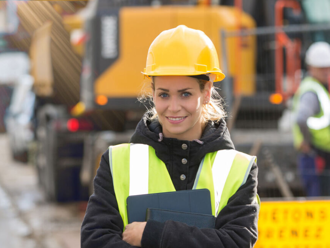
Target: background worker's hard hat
182,51
318,55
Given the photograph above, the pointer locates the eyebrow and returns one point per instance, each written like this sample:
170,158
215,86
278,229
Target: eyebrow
178,90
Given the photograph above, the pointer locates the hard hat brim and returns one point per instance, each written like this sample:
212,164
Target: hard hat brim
219,75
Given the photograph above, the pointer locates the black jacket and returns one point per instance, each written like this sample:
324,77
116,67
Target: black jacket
236,225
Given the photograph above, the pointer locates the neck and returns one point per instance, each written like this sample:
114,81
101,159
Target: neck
318,78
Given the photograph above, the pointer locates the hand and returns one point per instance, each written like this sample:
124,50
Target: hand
319,164
133,233
305,147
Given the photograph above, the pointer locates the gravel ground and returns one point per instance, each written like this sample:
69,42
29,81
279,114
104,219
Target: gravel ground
26,218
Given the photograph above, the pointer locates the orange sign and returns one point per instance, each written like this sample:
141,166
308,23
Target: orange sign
298,224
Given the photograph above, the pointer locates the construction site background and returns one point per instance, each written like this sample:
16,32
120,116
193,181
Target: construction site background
62,110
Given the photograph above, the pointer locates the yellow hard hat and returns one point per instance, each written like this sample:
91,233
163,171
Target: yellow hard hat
182,51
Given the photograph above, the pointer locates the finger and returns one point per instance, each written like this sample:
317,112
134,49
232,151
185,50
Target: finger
125,236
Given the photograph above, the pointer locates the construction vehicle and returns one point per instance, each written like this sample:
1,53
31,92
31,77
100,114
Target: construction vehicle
72,122
87,60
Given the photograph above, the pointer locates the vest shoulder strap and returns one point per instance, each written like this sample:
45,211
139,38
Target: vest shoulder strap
324,120
138,155
139,169
220,171
230,171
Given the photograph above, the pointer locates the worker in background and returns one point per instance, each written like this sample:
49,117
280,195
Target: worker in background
186,137
312,121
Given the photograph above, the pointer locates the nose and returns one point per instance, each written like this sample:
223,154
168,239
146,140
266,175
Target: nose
174,105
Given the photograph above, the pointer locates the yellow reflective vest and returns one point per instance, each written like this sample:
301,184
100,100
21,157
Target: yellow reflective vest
318,125
136,170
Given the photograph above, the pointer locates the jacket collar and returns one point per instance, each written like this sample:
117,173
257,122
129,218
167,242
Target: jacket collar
215,137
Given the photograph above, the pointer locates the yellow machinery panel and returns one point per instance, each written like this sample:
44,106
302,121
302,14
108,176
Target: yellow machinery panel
139,26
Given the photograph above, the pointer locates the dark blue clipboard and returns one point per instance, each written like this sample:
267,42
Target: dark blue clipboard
190,201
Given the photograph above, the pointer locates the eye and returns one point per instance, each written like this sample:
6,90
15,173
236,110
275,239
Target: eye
163,95
186,94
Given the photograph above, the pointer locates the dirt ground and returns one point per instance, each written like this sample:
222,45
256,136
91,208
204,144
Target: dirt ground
26,218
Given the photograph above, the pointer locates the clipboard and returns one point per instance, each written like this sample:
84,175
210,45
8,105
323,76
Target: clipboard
188,201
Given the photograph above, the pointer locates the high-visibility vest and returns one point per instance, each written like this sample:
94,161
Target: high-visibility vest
136,170
319,124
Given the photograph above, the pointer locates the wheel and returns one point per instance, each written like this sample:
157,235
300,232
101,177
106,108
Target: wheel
59,159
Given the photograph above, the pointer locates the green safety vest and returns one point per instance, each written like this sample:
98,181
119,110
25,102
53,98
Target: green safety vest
319,124
136,170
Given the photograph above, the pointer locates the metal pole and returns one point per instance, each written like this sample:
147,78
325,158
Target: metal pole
234,111
255,148
226,86
281,183
281,29
238,52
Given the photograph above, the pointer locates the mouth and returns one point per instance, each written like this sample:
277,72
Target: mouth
176,120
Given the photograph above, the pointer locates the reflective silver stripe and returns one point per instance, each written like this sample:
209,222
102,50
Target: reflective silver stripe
110,161
198,173
324,121
253,159
139,169
220,171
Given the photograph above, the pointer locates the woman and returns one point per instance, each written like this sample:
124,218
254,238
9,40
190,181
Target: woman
187,139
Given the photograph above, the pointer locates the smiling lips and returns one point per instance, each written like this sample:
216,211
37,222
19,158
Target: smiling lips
176,120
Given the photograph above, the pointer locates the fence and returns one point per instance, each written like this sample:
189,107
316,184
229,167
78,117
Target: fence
264,115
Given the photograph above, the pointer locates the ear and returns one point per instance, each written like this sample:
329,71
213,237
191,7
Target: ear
207,91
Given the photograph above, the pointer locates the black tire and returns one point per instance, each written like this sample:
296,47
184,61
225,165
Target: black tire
45,162
59,181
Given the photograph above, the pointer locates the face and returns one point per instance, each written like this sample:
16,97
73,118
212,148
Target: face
179,101
321,74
